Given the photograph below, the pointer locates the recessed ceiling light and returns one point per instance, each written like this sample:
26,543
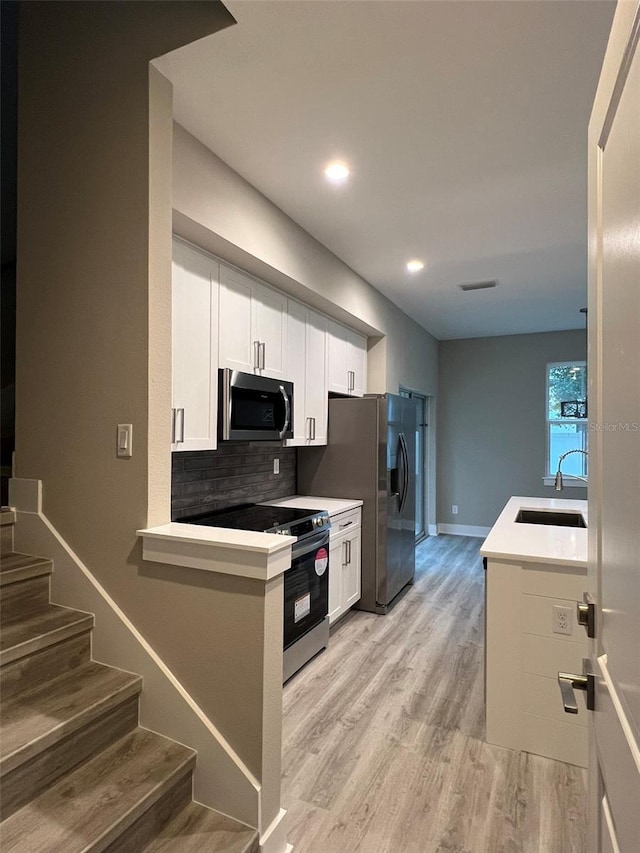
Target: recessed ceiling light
415,265
337,172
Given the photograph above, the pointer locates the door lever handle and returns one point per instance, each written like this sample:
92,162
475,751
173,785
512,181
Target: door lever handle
586,612
569,682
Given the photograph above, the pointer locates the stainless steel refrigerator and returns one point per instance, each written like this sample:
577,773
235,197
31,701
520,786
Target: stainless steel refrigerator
371,455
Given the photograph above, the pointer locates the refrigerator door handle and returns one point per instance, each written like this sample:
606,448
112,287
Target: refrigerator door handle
405,471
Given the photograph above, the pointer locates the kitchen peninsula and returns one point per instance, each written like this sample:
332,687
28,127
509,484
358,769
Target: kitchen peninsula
536,572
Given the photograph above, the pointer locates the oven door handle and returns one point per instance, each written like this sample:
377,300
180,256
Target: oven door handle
304,546
287,413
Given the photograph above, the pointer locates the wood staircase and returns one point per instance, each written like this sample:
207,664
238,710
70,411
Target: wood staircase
77,772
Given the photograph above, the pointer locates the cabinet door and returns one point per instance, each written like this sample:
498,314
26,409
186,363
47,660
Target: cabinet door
194,295
269,327
336,551
316,395
237,350
296,358
337,358
357,363
351,576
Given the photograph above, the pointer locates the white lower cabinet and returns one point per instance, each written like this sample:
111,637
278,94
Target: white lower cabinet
345,549
194,299
524,709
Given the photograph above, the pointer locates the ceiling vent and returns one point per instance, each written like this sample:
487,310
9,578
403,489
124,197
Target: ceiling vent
478,285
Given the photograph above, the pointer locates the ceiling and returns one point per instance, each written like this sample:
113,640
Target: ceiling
465,124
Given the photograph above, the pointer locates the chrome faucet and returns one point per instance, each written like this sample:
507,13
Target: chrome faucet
559,485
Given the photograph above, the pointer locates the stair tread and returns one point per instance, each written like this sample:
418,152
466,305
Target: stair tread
95,803
15,566
198,828
34,719
42,626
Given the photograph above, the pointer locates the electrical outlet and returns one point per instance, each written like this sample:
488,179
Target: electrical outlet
454,509
276,466
562,619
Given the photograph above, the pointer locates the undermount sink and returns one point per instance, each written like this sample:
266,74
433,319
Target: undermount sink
556,518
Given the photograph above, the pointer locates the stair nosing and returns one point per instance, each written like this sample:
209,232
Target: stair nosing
83,624
38,567
168,842
84,716
184,765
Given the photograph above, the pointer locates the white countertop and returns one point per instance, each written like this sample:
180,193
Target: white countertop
537,543
245,553
333,506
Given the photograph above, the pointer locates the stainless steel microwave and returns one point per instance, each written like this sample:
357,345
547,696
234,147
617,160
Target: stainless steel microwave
253,408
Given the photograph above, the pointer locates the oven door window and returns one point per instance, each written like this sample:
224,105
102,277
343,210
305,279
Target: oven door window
306,593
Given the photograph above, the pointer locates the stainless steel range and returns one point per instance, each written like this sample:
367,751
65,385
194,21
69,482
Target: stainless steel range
306,583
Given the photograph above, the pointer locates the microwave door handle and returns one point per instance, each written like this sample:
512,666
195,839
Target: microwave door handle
287,413
226,404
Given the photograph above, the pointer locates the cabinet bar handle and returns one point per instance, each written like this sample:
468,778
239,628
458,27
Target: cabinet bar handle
263,357
181,439
313,424
173,425
256,355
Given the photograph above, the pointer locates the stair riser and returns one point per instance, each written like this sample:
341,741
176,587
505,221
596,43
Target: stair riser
23,596
45,664
32,778
155,818
6,538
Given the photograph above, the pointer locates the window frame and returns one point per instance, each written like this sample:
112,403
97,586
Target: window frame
549,476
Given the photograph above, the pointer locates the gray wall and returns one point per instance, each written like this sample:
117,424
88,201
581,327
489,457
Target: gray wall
93,349
491,421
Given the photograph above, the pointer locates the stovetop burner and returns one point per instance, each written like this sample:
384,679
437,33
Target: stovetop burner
266,519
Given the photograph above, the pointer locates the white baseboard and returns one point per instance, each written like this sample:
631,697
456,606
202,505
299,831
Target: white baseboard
463,530
433,530
274,838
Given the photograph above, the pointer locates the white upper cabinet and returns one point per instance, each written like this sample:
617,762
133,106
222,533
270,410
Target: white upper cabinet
316,390
306,341
253,325
194,303
347,361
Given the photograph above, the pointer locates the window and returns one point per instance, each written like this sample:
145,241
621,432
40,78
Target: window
566,414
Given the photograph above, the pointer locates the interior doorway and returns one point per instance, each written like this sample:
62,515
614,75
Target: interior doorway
421,463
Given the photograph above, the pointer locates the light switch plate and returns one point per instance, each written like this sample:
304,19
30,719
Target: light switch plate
124,446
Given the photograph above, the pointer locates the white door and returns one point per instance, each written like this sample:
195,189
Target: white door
351,576
336,551
614,440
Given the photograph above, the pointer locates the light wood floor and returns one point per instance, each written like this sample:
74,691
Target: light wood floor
383,740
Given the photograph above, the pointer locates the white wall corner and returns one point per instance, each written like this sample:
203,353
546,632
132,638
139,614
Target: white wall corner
274,838
25,495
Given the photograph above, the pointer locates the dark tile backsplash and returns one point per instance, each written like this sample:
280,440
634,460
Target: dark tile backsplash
234,474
